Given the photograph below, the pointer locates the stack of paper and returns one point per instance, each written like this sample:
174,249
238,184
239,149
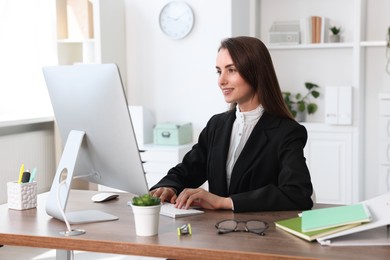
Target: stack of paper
318,223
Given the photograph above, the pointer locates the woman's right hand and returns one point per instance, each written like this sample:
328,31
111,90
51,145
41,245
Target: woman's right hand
165,194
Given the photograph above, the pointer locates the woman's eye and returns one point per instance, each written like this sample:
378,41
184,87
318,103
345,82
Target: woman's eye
218,72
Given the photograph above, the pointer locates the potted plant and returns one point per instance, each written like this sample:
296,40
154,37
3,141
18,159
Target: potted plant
335,36
300,104
146,210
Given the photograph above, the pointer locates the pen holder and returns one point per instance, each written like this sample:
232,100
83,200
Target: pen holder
22,196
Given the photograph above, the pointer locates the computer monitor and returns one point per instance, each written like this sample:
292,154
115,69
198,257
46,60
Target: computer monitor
94,122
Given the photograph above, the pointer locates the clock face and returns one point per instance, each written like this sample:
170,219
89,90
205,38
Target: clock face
176,19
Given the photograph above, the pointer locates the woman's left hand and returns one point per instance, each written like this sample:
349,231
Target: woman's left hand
202,198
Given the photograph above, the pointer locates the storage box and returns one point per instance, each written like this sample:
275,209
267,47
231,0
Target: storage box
287,32
172,133
22,196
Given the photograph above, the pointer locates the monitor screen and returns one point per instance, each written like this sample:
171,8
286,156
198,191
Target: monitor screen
94,122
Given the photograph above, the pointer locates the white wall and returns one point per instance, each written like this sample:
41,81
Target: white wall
176,79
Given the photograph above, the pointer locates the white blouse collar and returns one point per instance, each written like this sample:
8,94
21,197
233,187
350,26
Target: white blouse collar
249,116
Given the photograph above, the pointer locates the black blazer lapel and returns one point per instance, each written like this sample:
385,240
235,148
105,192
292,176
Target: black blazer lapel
221,147
253,147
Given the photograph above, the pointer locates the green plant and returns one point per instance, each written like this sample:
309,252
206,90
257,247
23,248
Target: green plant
299,102
146,200
335,30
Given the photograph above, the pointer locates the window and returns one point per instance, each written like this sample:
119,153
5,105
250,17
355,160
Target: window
27,43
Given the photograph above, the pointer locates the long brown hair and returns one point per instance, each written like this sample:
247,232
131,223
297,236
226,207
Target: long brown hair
253,61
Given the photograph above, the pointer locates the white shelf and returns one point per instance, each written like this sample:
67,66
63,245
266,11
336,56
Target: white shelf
75,40
373,44
312,46
24,119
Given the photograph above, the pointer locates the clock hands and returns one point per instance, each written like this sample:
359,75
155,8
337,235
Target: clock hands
176,17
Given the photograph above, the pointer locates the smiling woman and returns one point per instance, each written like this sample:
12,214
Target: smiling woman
27,43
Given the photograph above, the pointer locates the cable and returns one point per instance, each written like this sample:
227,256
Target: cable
59,201
60,206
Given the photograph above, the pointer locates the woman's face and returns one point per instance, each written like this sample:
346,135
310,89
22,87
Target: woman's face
234,88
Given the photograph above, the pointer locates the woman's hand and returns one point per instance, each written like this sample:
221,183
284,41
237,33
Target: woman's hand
202,198
165,194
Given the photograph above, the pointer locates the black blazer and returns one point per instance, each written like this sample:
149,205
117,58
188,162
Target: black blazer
270,173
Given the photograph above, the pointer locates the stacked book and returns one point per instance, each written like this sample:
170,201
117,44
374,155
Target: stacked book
315,29
317,223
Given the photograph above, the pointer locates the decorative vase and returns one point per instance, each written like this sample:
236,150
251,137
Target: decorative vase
334,38
300,116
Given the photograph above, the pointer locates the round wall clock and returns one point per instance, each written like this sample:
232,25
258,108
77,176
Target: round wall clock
176,19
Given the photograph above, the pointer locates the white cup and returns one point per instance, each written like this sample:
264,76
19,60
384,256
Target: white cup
146,219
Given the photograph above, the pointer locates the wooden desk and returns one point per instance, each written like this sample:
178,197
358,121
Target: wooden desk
34,228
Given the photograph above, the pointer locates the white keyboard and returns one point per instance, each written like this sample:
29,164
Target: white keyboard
168,209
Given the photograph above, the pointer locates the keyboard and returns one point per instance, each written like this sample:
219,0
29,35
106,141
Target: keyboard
168,209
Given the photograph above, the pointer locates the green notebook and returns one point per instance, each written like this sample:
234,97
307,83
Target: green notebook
293,226
318,219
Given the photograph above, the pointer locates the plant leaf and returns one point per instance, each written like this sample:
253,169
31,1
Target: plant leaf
315,93
301,106
312,108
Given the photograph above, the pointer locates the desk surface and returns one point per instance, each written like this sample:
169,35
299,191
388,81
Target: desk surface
34,228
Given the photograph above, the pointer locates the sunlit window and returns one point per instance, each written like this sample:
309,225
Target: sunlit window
27,42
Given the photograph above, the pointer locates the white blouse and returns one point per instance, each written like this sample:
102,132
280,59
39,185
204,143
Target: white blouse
242,128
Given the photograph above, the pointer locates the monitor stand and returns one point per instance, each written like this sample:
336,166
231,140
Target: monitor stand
59,193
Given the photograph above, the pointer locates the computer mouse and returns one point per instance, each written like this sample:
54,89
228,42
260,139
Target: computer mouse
104,196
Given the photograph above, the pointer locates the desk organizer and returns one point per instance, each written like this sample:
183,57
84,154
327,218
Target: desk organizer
172,133
22,196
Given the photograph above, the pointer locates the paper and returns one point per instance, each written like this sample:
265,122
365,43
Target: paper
380,214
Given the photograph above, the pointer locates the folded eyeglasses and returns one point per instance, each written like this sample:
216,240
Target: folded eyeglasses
231,225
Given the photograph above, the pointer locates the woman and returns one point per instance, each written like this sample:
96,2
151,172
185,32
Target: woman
252,155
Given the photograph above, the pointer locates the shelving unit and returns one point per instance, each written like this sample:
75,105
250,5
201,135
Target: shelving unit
158,159
311,46
91,31
384,147
338,173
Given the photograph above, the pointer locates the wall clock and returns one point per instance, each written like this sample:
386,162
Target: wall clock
176,19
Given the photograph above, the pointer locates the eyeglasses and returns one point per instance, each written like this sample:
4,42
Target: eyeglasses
232,225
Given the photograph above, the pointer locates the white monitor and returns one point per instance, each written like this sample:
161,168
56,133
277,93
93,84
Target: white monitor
93,117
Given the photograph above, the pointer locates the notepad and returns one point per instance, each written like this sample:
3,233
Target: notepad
294,226
318,219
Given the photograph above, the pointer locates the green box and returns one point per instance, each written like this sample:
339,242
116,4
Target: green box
172,133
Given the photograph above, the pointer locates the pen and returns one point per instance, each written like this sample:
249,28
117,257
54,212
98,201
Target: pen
21,173
33,172
26,176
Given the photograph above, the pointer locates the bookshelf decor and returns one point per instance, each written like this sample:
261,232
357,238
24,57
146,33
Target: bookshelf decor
335,34
285,32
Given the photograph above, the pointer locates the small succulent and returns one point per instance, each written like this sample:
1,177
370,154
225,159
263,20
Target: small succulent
335,30
146,200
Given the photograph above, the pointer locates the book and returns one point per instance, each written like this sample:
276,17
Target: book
318,219
325,30
293,226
